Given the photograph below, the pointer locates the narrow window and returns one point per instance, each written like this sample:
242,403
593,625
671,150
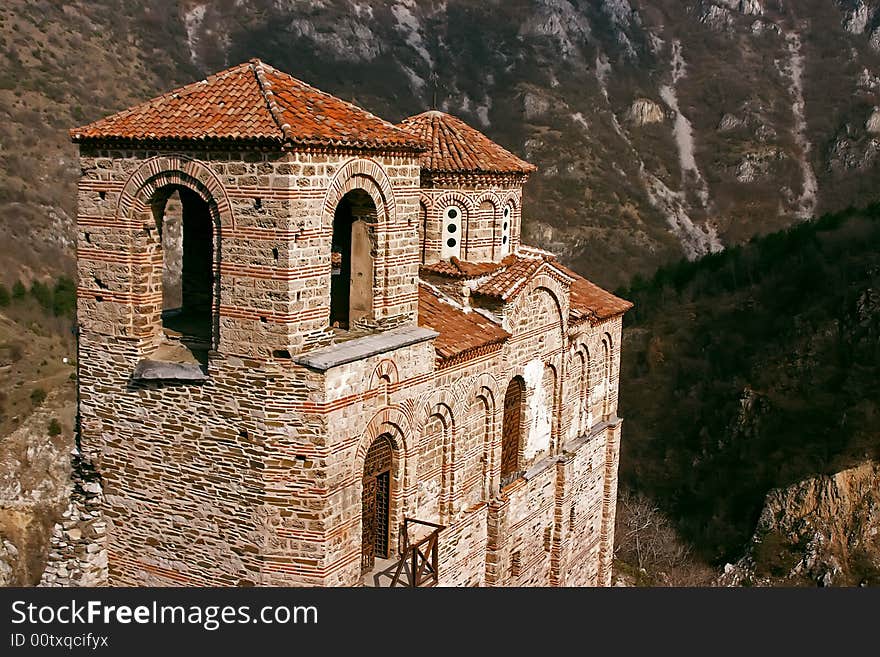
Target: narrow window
451,233
351,260
511,430
506,221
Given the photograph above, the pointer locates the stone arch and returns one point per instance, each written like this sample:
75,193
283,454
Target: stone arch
141,207
607,370
394,424
165,170
485,401
385,370
365,174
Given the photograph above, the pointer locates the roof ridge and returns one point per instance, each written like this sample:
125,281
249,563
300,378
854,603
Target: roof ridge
271,104
327,94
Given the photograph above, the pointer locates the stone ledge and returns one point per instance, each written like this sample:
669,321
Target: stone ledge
157,370
371,345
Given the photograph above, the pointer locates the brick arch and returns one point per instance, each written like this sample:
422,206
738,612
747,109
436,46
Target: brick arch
390,420
429,402
367,175
394,423
164,170
456,198
511,197
488,385
558,292
386,370
492,197
427,201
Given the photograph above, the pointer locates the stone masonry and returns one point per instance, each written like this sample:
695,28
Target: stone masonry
231,448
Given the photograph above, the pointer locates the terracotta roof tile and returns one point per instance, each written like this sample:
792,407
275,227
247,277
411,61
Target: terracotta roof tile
504,284
459,331
454,146
462,269
589,301
251,101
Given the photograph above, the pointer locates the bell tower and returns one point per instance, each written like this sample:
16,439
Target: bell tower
224,229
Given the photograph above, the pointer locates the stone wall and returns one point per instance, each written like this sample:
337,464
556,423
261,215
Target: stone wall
253,473
482,208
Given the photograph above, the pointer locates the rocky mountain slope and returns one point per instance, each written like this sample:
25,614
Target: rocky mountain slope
661,127
759,369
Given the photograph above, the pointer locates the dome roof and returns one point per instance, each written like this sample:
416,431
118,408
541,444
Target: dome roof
454,146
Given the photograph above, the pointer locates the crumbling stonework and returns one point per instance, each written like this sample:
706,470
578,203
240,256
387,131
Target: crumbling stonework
245,463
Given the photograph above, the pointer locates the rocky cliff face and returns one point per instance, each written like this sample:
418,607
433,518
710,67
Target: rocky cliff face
660,127
824,530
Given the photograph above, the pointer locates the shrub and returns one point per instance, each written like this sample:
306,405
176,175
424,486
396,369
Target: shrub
18,290
54,427
4,296
38,396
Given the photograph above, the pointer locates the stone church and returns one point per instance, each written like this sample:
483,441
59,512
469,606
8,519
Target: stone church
313,350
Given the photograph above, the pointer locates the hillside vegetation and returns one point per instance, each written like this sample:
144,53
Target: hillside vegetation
752,370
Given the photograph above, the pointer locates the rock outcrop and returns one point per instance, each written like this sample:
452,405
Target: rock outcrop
34,489
644,111
823,531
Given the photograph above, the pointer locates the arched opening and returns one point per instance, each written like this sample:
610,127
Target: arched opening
187,241
581,383
351,260
376,502
548,385
511,430
606,376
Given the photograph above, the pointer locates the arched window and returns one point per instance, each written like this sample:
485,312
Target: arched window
606,376
451,234
506,224
376,499
187,241
581,378
423,230
511,430
351,260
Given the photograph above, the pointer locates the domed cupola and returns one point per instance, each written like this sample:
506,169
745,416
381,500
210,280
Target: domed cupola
471,191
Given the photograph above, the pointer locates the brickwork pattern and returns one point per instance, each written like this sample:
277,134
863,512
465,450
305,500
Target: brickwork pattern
253,474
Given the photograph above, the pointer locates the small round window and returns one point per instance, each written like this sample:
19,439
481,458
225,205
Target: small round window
507,212
452,213
451,242
452,228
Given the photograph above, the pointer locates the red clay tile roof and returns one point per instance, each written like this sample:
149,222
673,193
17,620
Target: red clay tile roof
589,301
461,269
508,281
586,300
251,101
459,331
457,147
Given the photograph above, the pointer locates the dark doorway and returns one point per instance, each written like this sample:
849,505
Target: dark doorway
511,430
351,260
376,502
